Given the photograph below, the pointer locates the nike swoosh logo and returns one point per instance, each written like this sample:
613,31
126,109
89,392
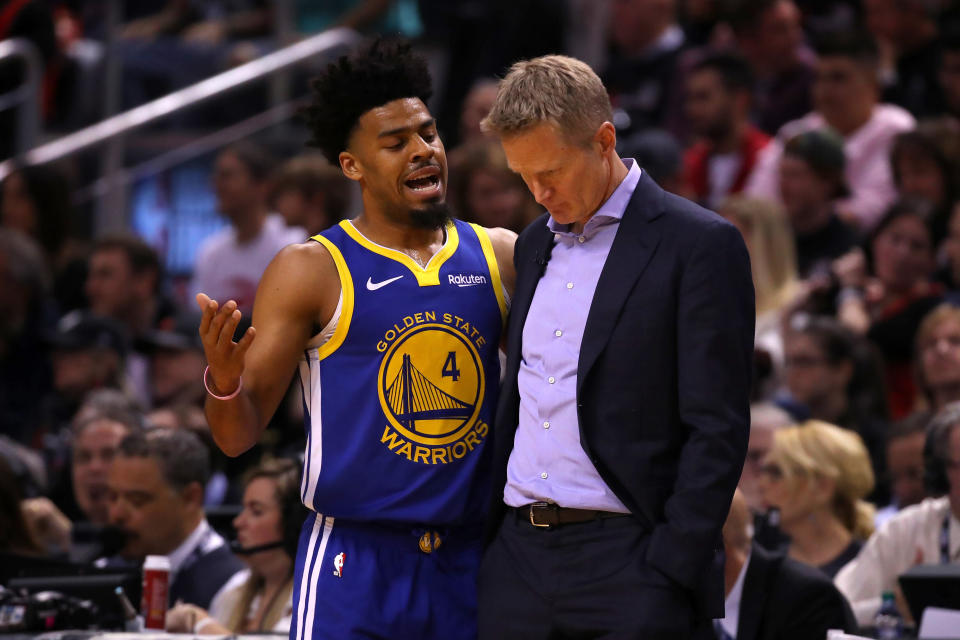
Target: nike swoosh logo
373,286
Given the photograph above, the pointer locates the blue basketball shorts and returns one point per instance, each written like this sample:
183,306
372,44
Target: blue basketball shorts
357,580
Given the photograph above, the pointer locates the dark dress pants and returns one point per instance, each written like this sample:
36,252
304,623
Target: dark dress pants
579,581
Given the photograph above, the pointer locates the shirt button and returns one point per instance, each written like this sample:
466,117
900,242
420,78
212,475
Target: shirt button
551,379
581,239
544,475
546,425
558,333
569,285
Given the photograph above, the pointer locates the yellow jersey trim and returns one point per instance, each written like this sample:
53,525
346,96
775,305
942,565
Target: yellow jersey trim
426,276
346,311
491,257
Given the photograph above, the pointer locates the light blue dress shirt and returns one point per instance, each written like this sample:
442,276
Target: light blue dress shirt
548,463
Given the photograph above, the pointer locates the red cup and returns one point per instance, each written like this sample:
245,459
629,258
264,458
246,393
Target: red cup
156,585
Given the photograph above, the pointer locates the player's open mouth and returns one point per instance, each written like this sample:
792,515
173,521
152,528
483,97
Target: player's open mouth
424,183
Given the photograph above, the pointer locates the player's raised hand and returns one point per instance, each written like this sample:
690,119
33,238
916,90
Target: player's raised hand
224,356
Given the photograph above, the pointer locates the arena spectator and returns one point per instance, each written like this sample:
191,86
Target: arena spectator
818,475
914,535
925,163
257,599
905,440
888,291
88,353
156,498
770,243
811,181
659,154
484,190
185,42
36,201
833,375
845,98
641,77
176,362
476,106
123,283
772,597
310,193
25,370
229,264
906,36
770,35
719,94
765,419
938,356
948,68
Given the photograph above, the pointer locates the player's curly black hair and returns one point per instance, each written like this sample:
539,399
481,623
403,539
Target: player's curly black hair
384,71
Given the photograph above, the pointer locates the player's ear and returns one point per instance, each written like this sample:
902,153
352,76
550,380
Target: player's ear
350,166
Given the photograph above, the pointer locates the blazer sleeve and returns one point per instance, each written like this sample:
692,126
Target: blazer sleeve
715,331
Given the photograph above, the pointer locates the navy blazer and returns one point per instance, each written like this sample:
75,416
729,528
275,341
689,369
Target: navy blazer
663,381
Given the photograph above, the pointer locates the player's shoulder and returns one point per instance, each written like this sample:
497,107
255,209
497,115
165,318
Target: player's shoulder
307,263
500,238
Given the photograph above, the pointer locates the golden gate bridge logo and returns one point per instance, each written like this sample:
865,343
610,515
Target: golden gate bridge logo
431,385
413,397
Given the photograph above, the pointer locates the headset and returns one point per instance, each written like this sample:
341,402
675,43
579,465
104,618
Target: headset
292,515
935,449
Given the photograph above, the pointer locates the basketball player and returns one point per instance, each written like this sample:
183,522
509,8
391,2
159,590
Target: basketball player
394,321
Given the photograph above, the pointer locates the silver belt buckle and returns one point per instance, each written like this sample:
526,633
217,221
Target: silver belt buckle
541,505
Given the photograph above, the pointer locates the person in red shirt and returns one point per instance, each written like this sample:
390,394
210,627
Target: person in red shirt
718,101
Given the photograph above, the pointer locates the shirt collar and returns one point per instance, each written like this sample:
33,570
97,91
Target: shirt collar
613,208
731,620
180,554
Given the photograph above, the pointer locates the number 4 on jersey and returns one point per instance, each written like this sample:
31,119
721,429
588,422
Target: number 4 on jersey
450,367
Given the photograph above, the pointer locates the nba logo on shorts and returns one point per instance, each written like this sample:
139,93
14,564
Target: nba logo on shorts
338,564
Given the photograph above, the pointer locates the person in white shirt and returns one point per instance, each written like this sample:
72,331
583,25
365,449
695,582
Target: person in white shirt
845,97
230,263
925,533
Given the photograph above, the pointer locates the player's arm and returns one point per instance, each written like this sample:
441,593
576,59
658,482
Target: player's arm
503,242
298,292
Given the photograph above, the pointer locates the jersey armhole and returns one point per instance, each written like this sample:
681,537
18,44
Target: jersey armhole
498,289
335,332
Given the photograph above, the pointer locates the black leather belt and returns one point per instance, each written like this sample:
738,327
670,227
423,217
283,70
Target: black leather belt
546,514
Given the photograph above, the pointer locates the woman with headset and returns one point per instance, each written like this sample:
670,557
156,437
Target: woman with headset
258,598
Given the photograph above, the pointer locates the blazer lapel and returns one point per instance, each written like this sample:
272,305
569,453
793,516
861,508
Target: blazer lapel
633,247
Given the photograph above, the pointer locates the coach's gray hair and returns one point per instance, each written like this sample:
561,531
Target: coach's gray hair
557,90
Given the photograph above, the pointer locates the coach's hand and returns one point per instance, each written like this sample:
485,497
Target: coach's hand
224,356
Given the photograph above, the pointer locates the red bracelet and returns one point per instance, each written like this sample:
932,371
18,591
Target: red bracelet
213,395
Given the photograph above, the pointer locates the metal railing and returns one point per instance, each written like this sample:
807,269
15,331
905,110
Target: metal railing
26,97
111,212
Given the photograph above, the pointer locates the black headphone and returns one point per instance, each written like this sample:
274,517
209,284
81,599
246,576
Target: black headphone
934,449
292,516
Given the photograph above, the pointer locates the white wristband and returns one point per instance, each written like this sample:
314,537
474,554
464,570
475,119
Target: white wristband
203,623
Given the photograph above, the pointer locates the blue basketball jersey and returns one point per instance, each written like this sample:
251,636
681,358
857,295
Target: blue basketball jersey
398,402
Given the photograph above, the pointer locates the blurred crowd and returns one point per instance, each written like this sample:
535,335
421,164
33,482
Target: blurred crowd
827,132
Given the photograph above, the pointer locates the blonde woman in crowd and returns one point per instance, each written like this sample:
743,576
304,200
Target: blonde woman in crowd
258,599
817,474
773,261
